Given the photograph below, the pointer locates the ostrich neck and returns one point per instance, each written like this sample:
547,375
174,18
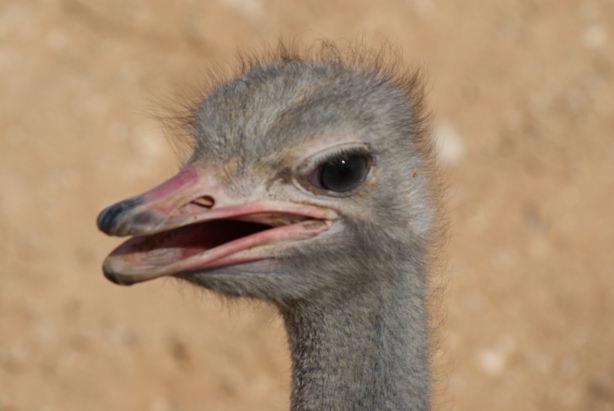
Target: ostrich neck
366,352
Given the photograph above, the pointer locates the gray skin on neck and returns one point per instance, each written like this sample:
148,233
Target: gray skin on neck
367,352
353,298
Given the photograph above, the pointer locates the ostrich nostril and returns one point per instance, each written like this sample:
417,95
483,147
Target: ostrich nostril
204,201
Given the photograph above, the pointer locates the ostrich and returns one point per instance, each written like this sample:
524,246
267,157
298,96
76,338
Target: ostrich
309,186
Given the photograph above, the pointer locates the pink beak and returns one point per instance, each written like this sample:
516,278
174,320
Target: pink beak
189,224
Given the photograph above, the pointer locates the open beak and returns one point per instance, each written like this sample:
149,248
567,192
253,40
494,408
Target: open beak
190,224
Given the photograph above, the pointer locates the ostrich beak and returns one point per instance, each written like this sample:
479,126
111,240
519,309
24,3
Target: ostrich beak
190,224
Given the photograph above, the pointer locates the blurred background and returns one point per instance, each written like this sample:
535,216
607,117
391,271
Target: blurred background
523,92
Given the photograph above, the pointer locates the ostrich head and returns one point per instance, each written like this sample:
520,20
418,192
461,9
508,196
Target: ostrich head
307,178
307,187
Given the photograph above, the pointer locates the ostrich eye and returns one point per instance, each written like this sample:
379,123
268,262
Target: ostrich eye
342,173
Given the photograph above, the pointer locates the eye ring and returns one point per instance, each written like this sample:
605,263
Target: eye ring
341,172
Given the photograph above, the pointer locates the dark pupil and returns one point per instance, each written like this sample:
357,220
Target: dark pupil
343,173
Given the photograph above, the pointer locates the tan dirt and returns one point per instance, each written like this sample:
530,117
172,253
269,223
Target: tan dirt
523,92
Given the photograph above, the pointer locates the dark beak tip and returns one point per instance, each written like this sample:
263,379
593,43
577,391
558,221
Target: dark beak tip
103,221
112,277
109,218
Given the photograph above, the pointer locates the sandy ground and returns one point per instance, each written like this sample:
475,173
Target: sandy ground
523,92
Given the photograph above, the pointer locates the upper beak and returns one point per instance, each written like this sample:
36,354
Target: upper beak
168,240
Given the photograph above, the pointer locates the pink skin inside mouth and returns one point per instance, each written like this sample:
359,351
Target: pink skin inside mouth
184,242
202,246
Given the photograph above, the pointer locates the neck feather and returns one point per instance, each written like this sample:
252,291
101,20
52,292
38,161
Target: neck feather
368,350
